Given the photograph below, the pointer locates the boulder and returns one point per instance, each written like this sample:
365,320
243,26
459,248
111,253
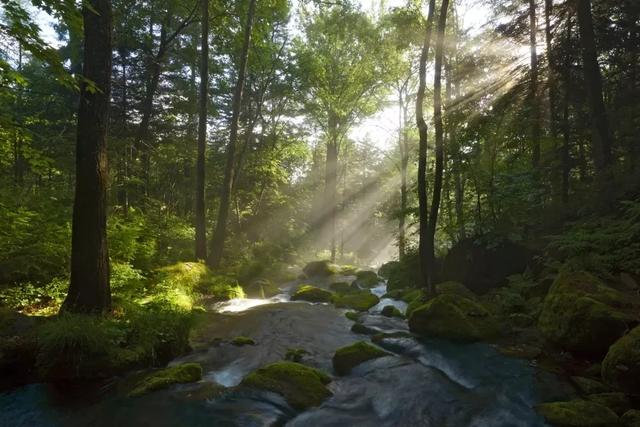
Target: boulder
454,288
617,402
302,386
340,287
391,311
320,269
589,386
366,279
359,301
312,294
631,418
240,341
346,358
621,365
578,413
179,374
582,315
386,268
453,317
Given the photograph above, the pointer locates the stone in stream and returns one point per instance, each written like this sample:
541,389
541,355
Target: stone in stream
578,413
616,401
322,268
302,387
366,279
340,287
359,301
312,294
391,311
179,374
346,358
621,366
241,340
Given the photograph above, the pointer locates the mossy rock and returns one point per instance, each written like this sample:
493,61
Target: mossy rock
322,268
242,340
346,358
577,413
582,315
348,270
391,311
295,354
179,374
617,402
352,315
593,371
520,320
340,287
386,268
367,279
221,288
262,288
621,366
413,305
453,317
360,301
631,418
359,328
312,294
454,288
589,386
302,386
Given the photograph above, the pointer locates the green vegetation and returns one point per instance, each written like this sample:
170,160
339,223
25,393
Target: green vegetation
578,413
312,294
303,387
621,365
359,301
347,358
241,340
179,374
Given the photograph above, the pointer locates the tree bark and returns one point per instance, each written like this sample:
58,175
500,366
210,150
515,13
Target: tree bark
331,180
220,232
439,167
601,140
403,146
533,94
89,286
422,155
201,233
566,128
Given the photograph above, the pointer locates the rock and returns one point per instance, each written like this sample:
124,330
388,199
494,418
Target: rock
348,270
628,281
413,305
631,418
386,268
366,279
617,402
200,392
454,288
391,311
312,294
320,269
179,374
621,365
360,301
302,386
577,413
241,340
582,315
521,320
261,288
295,354
484,263
340,287
453,317
589,386
593,371
346,358
352,315
359,328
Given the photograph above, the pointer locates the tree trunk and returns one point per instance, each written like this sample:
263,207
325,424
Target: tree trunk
439,167
89,287
220,233
404,162
331,181
201,233
566,128
601,140
533,94
422,154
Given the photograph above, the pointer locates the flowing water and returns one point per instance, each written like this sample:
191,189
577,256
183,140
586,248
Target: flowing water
423,383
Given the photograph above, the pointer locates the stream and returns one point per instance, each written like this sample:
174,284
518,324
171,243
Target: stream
425,382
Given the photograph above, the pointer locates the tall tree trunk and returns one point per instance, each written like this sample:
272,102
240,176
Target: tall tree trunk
566,128
404,162
201,232
533,94
89,286
422,154
601,138
439,167
220,233
331,181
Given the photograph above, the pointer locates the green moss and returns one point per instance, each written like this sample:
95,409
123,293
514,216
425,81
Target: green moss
454,288
367,279
242,340
346,358
352,315
295,354
386,268
221,288
582,315
179,374
360,301
391,311
302,387
453,317
183,274
621,366
312,294
631,418
320,269
348,270
589,386
359,328
340,287
413,305
578,413
617,402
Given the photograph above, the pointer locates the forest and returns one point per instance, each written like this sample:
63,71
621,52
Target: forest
320,213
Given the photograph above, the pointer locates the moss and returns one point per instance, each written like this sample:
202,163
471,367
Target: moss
301,386
185,274
359,328
386,268
453,317
577,413
589,386
312,294
242,340
617,402
221,288
295,354
582,315
413,305
366,279
631,418
352,315
179,374
340,287
454,288
348,270
520,320
346,358
320,269
360,301
621,366
391,311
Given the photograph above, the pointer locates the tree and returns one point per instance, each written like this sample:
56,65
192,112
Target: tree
89,286
201,233
220,232
422,155
533,88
